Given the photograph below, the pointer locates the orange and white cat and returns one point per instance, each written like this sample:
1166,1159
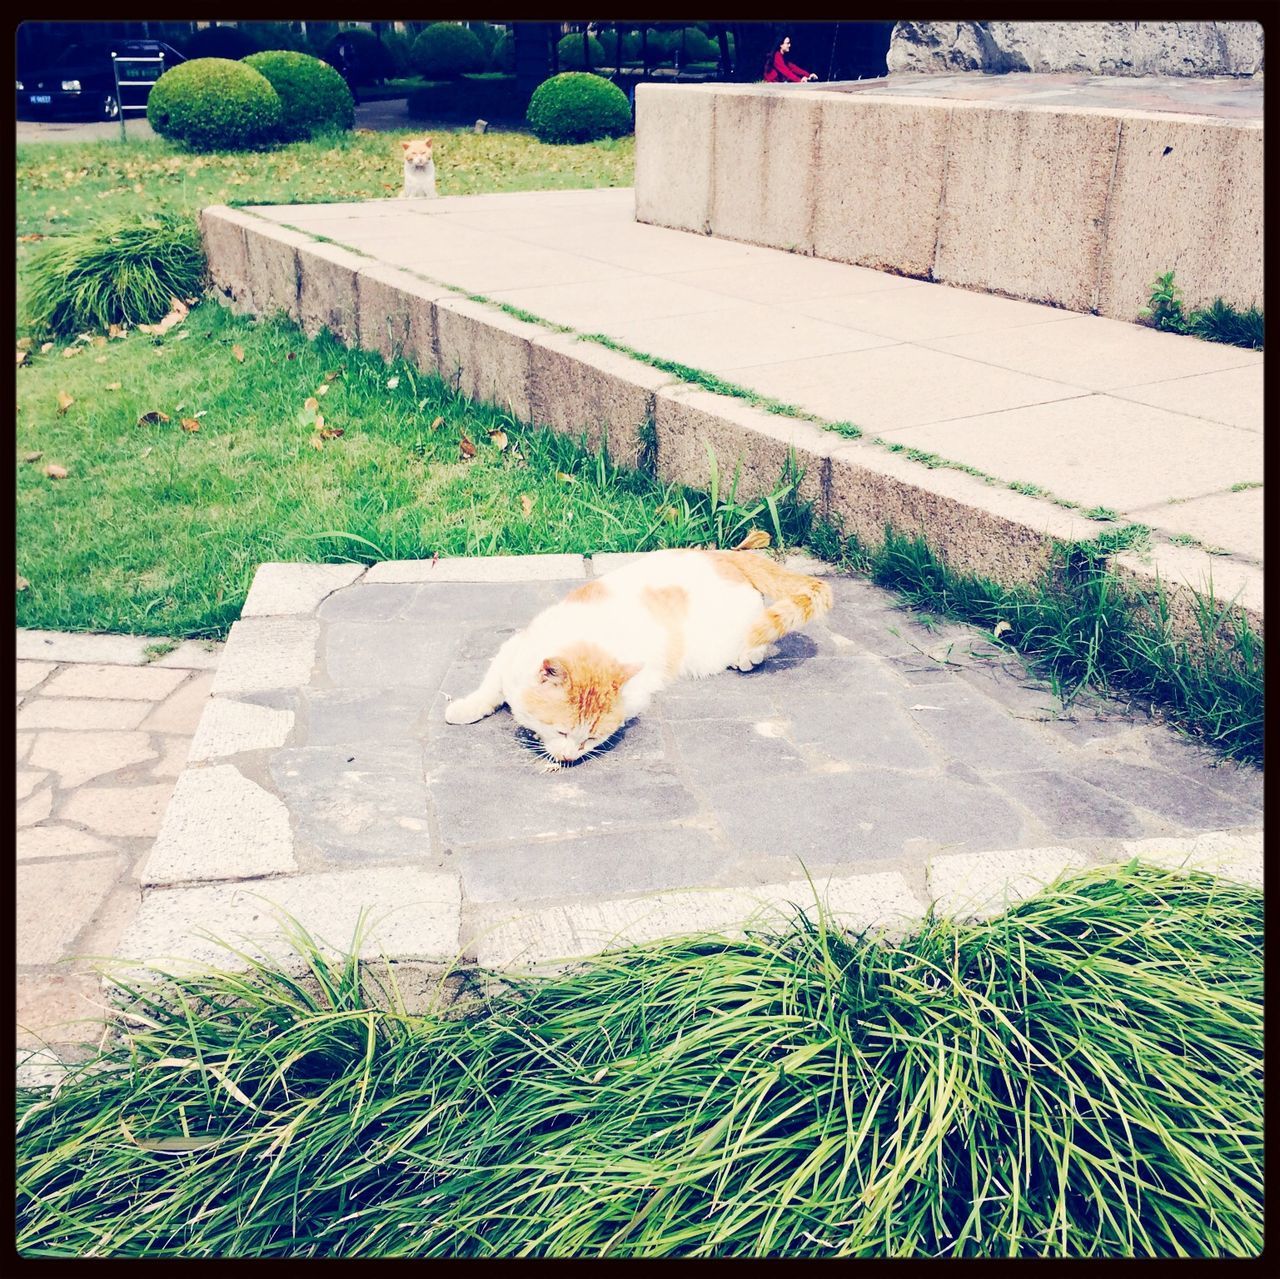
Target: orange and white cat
419,168
585,666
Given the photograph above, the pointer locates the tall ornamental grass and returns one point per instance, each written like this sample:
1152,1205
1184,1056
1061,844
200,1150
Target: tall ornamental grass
123,271
1079,1077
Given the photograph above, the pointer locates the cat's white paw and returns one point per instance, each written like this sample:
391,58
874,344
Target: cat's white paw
752,658
463,710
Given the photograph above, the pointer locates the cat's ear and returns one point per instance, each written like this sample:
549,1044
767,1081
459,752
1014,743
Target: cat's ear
626,672
426,141
551,671
404,144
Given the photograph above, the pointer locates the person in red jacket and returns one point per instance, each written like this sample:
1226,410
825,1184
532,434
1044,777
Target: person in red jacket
777,67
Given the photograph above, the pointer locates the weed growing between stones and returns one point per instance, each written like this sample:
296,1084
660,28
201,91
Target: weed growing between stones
1081,1076
1217,322
1082,626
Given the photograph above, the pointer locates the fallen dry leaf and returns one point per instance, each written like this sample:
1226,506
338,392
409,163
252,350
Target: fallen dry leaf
238,352
114,386
1000,629
319,422
22,357
190,424
437,424
55,472
30,239
392,383
115,331
64,402
32,457
311,403
498,439
526,503
145,451
101,359
466,449
99,340
177,313
25,344
331,432
322,389
22,582
565,479
153,418
333,373
317,442
70,351
45,348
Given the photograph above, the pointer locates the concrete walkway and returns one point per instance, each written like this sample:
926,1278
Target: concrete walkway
1109,416
103,728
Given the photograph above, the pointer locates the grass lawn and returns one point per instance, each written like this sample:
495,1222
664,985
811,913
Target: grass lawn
1081,1076
157,529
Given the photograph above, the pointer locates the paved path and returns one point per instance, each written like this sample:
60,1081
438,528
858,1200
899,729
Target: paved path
102,734
896,762
1161,429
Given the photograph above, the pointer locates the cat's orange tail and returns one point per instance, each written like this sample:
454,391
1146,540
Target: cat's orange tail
799,598
756,540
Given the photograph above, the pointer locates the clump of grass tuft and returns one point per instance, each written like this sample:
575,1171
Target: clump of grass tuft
125,271
1081,1076
1217,322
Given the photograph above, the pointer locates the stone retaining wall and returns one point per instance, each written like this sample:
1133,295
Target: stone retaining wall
1078,207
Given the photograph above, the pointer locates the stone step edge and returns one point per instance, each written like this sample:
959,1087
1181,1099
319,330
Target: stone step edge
974,527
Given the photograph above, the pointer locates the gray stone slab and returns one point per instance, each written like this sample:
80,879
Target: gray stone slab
62,646
1169,795
220,825
284,589
267,653
856,819
353,717
481,568
358,802
964,726
854,725
728,750
228,727
1070,808
385,655
407,913
471,606
473,808
591,865
1234,855
367,602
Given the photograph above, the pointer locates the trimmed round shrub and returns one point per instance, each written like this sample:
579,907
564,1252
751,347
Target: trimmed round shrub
503,57
122,271
660,47
569,52
698,46
373,62
487,34
212,104
576,106
220,42
620,46
313,96
446,50
399,48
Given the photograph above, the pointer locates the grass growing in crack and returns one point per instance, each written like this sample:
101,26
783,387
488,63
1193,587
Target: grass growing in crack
1079,627
1217,322
1081,1076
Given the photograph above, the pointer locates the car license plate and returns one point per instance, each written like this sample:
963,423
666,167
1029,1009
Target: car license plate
41,99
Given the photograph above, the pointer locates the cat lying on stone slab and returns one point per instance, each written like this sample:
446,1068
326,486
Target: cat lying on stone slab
585,666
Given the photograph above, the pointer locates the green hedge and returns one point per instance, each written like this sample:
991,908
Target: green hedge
314,98
503,55
569,52
214,104
577,106
489,96
446,51
373,62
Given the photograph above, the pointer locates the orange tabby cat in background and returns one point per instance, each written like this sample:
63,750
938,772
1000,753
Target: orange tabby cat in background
419,168
585,666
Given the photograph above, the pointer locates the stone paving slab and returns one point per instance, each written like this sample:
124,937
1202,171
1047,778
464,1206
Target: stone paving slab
1031,394
886,758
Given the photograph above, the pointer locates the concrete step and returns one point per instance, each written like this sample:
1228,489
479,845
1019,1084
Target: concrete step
990,427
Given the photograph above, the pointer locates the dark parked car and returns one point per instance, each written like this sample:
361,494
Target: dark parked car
80,83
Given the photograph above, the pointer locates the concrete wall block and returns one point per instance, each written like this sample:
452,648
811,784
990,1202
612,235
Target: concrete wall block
972,526
1187,198
485,353
673,155
222,234
877,179
272,252
1024,202
763,166
327,290
581,387
748,440
396,314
